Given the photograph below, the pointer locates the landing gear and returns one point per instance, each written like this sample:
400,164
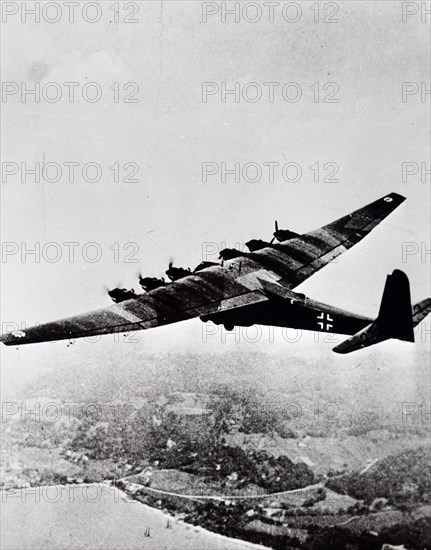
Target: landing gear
229,326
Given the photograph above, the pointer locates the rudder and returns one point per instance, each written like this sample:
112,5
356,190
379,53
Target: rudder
395,319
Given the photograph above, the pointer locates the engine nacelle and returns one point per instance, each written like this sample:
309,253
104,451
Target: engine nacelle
118,295
230,253
257,244
150,283
175,273
285,235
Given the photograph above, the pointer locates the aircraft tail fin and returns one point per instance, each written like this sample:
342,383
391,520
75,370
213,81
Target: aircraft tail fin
396,318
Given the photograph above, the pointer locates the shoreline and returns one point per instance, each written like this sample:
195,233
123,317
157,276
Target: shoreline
124,497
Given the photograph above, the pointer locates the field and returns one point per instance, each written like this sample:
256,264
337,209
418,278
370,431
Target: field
313,451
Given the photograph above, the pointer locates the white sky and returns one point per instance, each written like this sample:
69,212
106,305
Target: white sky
170,132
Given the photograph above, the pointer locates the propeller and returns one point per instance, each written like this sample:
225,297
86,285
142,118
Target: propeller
257,244
276,231
106,289
284,234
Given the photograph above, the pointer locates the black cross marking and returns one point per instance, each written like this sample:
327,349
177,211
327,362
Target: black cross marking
325,317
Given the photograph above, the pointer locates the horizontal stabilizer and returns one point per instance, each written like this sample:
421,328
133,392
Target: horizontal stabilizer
421,310
396,317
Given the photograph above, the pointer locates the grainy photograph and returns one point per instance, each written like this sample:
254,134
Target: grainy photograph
215,275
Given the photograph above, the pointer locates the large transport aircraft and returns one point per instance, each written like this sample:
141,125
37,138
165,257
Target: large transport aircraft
255,287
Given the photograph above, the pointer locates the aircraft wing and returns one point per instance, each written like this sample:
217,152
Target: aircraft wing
203,293
217,289
295,260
